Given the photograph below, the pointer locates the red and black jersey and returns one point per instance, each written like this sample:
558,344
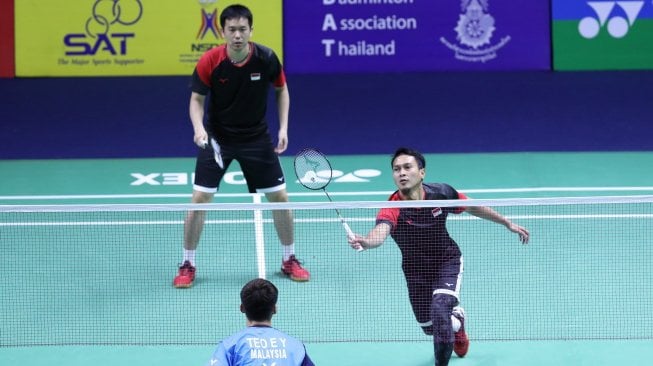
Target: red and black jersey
421,233
238,93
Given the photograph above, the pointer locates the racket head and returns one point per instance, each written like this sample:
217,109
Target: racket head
313,169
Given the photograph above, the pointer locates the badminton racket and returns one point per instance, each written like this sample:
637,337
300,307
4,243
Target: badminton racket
217,153
314,172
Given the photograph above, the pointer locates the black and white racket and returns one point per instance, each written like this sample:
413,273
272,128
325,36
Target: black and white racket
314,172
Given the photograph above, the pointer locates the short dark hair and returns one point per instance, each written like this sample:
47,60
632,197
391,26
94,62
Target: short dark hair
259,297
421,162
236,11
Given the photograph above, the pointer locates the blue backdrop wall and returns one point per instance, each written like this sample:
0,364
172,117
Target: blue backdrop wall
126,117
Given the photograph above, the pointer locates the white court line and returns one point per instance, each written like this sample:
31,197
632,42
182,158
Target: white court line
259,239
307,194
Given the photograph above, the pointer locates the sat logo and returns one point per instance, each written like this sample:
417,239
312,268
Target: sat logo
105,16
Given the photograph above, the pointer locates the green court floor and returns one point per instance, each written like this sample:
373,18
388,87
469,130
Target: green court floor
581,353
356,178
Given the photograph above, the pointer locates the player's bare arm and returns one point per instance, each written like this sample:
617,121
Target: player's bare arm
283,108
374,238
491,215
196,111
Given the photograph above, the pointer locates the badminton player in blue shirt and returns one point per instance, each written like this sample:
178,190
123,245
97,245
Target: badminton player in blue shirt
431,260
260,344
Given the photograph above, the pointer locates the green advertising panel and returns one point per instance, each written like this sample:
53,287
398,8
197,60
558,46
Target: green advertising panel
602,35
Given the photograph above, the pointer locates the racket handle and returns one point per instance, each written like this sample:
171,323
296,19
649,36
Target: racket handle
217,153
350,235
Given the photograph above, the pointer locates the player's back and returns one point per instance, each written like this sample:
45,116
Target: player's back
258,346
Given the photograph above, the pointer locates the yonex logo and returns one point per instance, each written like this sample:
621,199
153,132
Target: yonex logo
338,176
617,26
237,178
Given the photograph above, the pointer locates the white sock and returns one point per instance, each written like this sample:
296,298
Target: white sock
455,323
189,255
288,250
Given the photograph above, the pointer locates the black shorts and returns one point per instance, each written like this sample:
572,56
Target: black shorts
422,285
258,161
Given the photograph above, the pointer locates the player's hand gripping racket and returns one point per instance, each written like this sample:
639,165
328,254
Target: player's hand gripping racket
314,172
217,153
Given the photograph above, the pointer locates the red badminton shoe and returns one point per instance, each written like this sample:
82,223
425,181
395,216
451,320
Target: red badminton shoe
185,277
461,342
293,269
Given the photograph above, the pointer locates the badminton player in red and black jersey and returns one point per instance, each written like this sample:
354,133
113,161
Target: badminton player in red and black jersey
233,79
431,260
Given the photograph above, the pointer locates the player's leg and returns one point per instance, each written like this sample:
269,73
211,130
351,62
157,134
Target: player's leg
207,179
454,274
443,337
194,222
283,219
193,225
423,302
420,293
262,170
461,342
446,293
284,225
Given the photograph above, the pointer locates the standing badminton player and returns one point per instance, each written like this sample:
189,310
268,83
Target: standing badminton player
237,76
431,259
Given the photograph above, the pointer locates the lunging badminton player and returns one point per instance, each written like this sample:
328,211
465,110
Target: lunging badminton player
431,259
237,76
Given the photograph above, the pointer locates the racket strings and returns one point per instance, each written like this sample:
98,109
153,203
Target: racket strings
313,169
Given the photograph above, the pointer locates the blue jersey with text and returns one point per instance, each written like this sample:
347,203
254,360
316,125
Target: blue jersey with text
260,346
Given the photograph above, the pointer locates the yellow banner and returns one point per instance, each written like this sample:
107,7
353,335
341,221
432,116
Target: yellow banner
128,37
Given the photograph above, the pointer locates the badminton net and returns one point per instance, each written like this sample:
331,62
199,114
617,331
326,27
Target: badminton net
102,274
